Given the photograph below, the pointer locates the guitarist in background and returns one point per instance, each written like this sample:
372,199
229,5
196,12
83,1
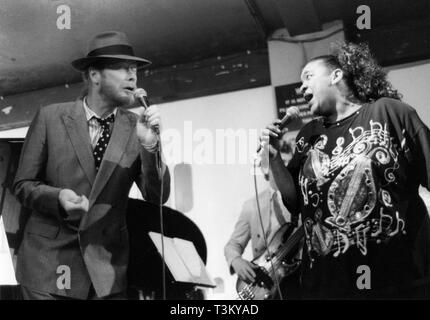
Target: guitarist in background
248,227
354,178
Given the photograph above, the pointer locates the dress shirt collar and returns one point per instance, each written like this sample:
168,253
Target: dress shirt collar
89,114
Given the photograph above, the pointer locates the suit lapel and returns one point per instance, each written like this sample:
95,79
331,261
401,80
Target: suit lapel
77,129
122,130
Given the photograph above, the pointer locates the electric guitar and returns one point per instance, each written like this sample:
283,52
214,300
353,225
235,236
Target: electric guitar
274,265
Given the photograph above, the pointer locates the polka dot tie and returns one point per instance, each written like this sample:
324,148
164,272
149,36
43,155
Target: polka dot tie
103,141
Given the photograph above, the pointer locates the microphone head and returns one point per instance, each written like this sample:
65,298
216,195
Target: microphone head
139,93
140,96
293,113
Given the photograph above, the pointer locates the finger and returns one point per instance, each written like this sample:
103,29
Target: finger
85,203
245,278
73,197
249,276
76,200
142,118
252,272
154,121
152,110
274,134
69,206
265,133
274,128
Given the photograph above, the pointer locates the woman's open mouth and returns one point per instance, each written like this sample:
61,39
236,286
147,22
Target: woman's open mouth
308,97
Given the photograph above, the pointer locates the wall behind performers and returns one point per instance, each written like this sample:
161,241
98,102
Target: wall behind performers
412,80
219,190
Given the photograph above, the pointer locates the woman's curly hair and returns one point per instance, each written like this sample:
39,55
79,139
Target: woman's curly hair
367,80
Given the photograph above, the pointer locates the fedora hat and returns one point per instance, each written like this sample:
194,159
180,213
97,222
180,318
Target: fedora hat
109,45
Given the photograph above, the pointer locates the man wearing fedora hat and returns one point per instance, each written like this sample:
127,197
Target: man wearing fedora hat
77,166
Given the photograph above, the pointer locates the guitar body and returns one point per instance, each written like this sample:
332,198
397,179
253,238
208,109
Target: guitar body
279,262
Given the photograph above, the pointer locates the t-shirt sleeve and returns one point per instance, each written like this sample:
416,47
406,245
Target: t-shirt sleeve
422,146
414,138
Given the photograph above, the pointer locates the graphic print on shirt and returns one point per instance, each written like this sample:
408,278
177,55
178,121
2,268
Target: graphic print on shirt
353,181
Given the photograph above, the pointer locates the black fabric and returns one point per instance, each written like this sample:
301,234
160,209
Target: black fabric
119,49
357,181
103,141
277,209
31,294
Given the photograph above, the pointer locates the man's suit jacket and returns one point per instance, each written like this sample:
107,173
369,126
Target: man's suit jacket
248,227
93,246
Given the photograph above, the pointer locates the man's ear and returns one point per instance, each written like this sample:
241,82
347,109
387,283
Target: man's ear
336,76
94,75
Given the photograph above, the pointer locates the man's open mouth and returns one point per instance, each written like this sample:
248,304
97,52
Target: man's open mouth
129,89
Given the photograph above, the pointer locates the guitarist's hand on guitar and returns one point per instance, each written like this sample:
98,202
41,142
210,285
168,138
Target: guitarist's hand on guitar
244,269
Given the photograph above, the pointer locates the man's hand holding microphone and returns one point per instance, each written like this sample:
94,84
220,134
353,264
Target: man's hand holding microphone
148,126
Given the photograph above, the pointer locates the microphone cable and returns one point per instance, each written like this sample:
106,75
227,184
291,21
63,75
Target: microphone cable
278,287
159,167
159,164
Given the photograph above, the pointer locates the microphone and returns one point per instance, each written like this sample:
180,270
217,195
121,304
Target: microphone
142,97
293,113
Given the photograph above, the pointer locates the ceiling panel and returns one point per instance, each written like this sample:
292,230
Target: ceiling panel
35,54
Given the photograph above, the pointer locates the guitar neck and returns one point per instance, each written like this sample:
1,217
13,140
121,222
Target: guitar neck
292,241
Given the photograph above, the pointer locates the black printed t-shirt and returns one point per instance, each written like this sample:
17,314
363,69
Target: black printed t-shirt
357,181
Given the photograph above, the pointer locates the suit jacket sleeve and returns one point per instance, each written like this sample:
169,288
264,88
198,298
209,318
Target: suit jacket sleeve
149,182
240,237
29,185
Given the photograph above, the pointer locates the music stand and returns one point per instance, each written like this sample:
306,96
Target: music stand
183,261
7,272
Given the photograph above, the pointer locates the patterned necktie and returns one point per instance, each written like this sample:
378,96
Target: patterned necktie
103,141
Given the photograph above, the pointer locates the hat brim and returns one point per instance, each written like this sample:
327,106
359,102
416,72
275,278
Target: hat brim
83,63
